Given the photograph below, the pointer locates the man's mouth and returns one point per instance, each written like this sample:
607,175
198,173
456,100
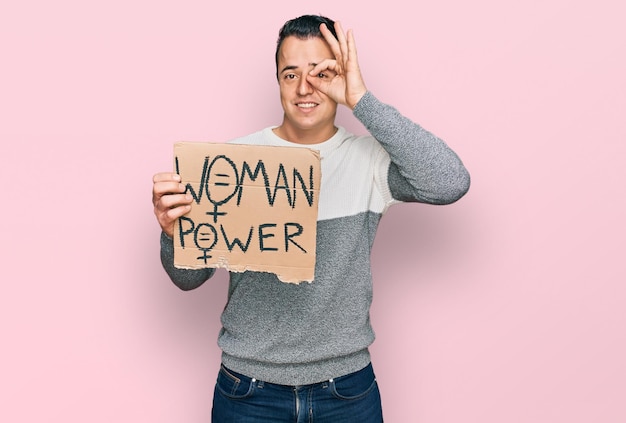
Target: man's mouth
306,105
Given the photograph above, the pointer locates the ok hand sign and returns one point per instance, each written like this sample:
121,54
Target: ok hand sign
344,83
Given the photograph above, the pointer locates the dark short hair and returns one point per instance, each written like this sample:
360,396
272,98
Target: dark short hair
303,27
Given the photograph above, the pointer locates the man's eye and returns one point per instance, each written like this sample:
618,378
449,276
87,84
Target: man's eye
290,76
321,75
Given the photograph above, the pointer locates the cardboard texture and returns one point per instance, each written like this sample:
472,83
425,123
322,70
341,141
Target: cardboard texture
254,208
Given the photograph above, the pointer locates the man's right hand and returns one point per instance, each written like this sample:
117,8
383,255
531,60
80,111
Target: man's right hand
169,199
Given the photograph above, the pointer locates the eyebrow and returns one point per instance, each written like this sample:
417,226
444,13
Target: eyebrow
292,67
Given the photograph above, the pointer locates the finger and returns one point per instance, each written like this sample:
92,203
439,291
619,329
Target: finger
168,217
328,67
160,189
323,74
165,187
166,176
176,212
171,201
343,45
318,84
332,42
351,47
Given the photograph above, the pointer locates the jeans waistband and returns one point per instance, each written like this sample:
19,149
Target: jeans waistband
252,379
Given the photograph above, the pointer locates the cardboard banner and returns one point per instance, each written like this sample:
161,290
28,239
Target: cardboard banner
254,208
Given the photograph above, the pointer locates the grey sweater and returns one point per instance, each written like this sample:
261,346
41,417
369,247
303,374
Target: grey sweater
300,334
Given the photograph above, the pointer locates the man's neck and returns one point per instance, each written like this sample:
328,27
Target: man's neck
306,136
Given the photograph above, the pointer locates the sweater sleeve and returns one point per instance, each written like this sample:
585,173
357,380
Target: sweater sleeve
185,279
423,168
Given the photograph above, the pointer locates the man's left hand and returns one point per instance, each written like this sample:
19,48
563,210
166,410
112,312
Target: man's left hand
339,78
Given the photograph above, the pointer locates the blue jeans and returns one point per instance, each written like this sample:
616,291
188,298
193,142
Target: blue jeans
350,398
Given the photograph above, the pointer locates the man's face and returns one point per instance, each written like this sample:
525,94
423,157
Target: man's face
309,114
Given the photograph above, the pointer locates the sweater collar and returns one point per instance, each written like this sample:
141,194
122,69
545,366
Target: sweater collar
324,147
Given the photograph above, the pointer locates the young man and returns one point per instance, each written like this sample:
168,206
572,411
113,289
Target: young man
300,352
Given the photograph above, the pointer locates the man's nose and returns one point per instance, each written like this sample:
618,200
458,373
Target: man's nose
304,87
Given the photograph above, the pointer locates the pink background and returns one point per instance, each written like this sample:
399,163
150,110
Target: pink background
508,306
